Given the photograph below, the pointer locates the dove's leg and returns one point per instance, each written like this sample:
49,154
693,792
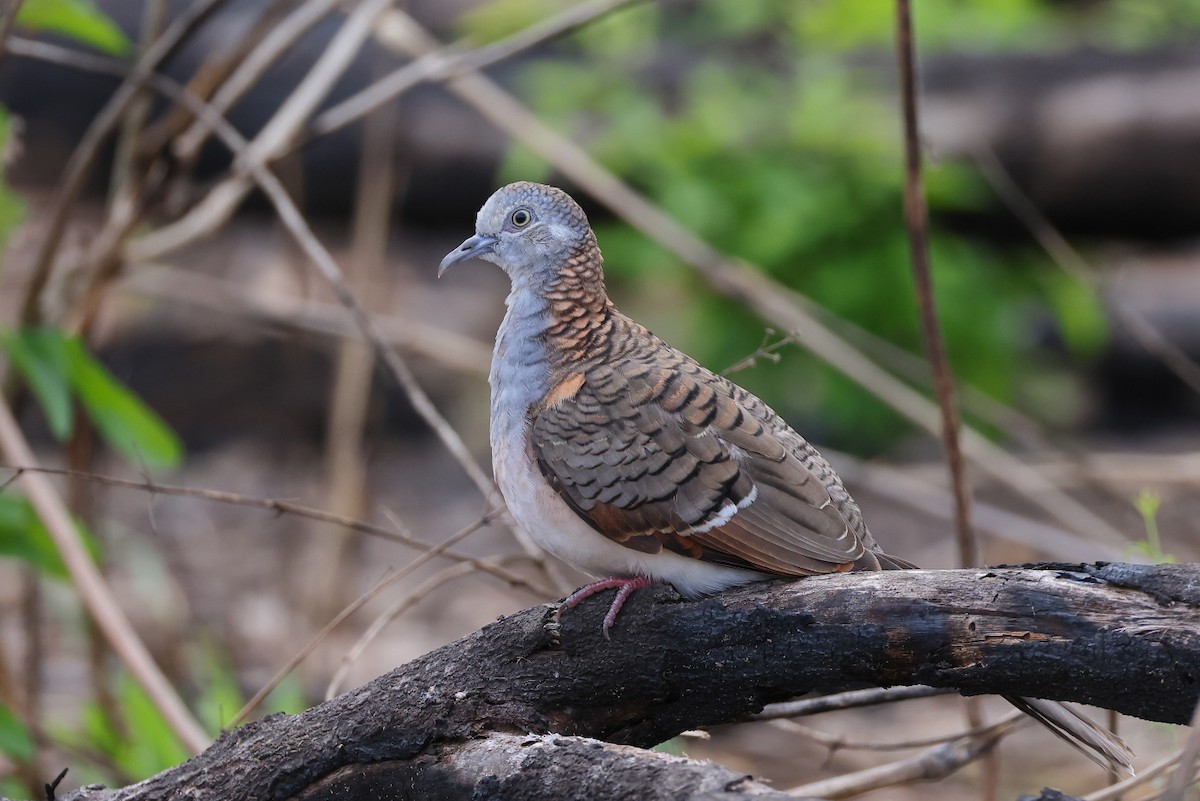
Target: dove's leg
625,587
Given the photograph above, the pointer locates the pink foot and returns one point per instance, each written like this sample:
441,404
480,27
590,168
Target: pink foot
625,586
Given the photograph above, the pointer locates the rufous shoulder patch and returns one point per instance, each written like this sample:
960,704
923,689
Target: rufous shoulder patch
562,391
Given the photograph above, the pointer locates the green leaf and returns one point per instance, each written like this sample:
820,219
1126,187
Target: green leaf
135,738
41,356
11,207
24,537
15,741
76,19
125,422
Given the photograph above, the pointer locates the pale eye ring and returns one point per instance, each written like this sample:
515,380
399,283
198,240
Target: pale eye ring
521,218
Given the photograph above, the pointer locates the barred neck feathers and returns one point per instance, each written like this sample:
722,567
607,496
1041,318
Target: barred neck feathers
551,327
580,313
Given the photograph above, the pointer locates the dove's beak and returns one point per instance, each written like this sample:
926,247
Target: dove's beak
478,245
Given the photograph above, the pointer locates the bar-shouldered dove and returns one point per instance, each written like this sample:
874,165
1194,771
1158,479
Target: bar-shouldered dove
629,460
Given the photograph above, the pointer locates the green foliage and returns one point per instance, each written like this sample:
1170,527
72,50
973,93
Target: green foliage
500,18
222,697
22,536
58,368
127,424
11,207
132,735
41,358
773,143
15,741
76,19
138,742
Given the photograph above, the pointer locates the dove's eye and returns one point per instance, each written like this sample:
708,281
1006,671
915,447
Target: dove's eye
521,218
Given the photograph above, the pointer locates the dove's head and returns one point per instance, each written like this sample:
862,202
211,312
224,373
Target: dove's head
532,231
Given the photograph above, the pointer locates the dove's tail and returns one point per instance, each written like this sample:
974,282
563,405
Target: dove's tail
1097,744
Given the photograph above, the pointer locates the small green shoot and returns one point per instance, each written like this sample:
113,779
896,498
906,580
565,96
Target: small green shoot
1147,503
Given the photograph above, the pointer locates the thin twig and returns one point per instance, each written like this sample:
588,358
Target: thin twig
1146,775
300,231
850,699
916,214
737,280
7,20
277,41
916,218
839,742
397,609
354,362
913,489
446,347
94,591
272,141
935,763
1073,264
84,156
388,580
446,63
154,15
916,221
1018,426
278,506
766,350
1182,777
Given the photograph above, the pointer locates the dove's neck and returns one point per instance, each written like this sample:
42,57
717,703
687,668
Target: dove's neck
550,328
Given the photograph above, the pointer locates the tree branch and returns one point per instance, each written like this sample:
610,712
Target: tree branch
1126,637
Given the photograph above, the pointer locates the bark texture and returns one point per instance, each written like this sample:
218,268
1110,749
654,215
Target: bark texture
1119,636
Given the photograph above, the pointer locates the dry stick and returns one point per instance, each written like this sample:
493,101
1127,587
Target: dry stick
936,763
103,262
916,218
445,63
294,222
916,221
93,589
838,742
279,507
354,362
1144,776
903,486
272,141
290,216
389,615
220,203
273,45
388,580
1069,261
154,15
771,300
1016,425
6,24
84,156
850,699
1187,762
449,348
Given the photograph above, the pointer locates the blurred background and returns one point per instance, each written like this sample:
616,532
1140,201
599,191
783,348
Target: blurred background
161,324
